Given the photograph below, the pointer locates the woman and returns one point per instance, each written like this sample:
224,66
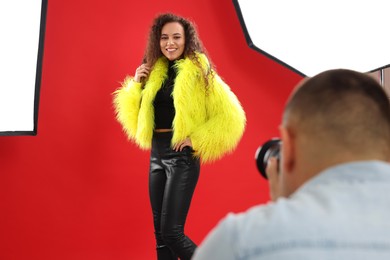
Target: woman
179,107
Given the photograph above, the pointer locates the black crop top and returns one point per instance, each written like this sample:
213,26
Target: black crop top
164,110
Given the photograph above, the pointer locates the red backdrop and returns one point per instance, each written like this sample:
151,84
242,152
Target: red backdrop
78,190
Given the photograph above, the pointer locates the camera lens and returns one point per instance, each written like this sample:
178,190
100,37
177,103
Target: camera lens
269,149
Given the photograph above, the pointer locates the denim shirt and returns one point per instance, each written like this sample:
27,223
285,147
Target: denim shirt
342,213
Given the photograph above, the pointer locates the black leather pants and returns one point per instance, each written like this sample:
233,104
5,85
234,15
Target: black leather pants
172,180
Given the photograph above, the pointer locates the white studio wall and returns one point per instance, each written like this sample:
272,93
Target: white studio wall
22,27
313,36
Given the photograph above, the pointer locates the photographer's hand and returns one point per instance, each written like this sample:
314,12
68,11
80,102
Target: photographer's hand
273,178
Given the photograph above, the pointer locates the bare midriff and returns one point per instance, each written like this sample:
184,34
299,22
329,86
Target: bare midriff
162,130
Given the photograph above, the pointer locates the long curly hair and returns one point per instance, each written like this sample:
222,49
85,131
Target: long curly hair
192,46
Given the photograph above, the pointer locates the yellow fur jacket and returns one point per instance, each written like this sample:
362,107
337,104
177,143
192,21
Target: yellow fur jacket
213,119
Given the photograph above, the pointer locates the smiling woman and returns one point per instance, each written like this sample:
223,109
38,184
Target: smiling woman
173,105
172,40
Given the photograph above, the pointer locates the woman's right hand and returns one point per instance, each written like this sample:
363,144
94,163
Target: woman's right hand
141,72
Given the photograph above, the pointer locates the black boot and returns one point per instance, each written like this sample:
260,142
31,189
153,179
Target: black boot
164,253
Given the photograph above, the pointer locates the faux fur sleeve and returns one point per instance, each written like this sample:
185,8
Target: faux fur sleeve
127,103
225,125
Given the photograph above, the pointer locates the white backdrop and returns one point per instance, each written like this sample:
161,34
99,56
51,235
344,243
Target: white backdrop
20,22
313,36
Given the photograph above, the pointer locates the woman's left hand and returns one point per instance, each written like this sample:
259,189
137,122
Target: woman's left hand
179,146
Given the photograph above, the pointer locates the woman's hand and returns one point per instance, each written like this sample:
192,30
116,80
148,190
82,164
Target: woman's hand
141,72
179,146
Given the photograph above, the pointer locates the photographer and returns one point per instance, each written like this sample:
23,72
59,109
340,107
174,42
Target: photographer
330,197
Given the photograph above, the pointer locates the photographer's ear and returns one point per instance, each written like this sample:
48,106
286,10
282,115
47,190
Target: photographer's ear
287,150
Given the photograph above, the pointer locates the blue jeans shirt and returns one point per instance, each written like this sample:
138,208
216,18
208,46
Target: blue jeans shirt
342,213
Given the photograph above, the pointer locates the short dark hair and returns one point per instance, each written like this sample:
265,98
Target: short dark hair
345,106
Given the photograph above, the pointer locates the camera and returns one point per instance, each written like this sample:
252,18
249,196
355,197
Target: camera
270,148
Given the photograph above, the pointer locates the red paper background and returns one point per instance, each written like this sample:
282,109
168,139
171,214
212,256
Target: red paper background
78,190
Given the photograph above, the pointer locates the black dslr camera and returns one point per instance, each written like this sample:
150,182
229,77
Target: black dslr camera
269,149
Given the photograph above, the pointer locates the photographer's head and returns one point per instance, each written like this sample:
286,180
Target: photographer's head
338,116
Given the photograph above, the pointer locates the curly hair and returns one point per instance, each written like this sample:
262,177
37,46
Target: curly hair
193,44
